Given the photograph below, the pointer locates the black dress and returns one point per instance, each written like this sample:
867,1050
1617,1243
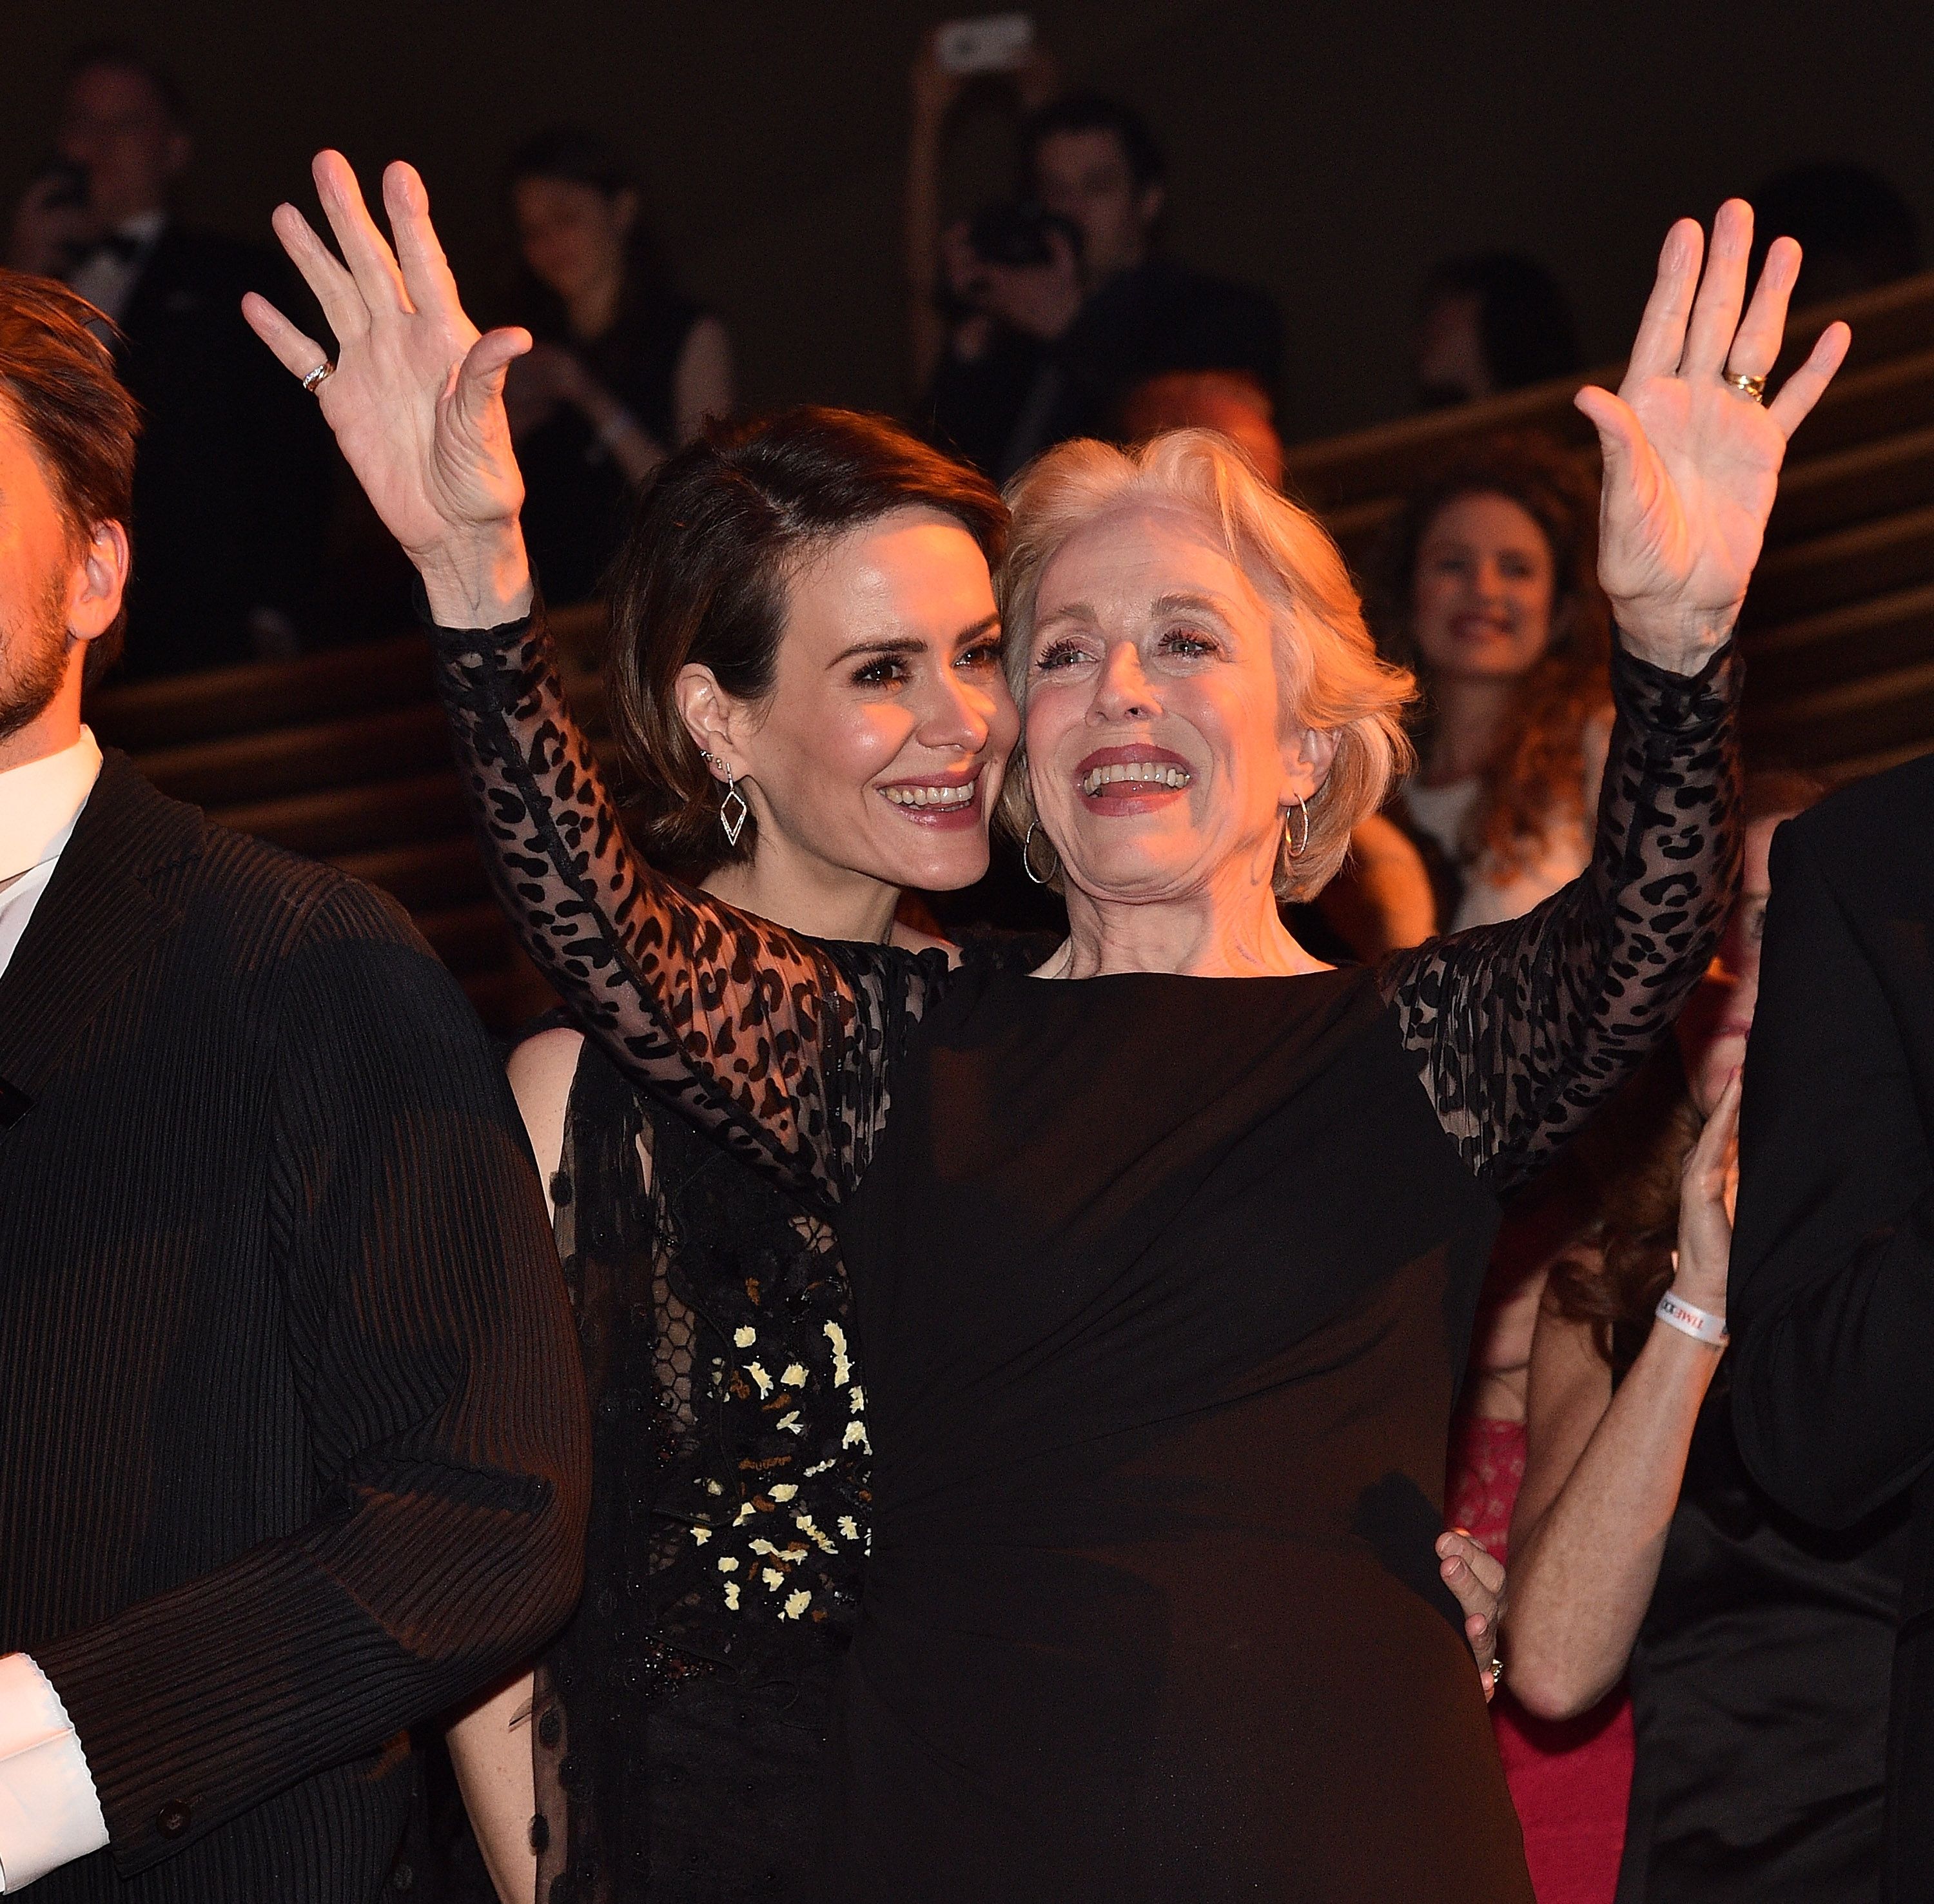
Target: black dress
1760,1695
680,1718
1164,1285
576,495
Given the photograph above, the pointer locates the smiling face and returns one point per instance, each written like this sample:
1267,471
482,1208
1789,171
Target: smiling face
1485,590
1713,1029
1161,757
880,750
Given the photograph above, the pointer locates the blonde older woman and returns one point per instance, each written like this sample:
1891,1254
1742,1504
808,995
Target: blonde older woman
1164,1271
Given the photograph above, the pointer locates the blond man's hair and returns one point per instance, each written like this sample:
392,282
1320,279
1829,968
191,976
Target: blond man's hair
1332,678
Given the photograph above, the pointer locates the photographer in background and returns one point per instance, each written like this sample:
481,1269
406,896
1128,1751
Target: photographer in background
1054,308
231,483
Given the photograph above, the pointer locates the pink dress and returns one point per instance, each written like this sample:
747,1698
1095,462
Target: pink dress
1569,1781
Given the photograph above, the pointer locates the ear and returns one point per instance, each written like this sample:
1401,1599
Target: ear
1308,755
97,582
625,209
1153,198
716,722
181,149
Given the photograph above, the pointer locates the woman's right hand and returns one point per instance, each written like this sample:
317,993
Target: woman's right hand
932,88
416,399
1707,1192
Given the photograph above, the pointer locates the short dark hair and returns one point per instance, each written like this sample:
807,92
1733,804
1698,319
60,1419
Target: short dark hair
1095,112
57,377
702,575
1524,318
1842,212
118,55
575,157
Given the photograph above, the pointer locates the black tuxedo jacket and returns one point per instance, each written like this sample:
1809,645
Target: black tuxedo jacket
232,476
293,1451
1831,1304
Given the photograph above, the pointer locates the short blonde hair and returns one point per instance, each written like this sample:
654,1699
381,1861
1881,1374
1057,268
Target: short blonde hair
1332,677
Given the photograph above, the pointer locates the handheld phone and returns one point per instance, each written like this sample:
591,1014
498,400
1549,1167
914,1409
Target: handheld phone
996,42
70,181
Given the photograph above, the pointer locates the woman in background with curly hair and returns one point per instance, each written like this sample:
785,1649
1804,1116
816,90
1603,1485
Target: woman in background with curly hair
1759,1649
1491,595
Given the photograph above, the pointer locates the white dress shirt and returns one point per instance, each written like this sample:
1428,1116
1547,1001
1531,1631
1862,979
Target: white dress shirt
108,280
49,1813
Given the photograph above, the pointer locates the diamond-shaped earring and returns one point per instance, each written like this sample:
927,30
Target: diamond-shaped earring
732,810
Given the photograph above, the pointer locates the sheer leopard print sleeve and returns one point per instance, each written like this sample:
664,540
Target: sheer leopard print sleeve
778,1046
1523,1029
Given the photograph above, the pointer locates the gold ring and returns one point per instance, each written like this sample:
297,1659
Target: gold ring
1752,386
316,377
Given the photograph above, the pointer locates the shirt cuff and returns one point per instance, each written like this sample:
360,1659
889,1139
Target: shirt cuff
49,1813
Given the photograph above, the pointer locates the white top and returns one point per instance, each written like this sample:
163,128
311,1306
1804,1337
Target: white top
107,281
1561,854
50,1812
39,804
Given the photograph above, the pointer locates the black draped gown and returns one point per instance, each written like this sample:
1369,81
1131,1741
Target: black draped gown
1163,1286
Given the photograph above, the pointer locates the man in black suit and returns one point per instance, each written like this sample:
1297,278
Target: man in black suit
293,1452
232,483
1832,1302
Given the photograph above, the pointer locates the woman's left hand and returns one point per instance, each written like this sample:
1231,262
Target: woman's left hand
1708,1190
1477,1583
1692,463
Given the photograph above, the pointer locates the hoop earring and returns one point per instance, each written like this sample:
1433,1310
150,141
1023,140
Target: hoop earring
732,810
1296,847
1027,857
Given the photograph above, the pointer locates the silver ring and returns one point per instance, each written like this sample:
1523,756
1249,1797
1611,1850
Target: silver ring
1752,386
316,377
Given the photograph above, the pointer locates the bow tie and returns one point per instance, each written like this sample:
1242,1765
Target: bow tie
122,246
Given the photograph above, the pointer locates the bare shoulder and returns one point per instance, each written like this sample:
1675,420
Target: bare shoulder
541,1071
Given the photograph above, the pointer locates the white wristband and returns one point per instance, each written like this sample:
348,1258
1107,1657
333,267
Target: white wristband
1700,1324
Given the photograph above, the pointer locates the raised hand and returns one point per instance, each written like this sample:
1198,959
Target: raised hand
1692,462
1708,1189
416,398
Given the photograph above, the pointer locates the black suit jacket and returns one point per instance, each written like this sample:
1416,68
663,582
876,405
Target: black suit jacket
293,1451
1831,1303
232,476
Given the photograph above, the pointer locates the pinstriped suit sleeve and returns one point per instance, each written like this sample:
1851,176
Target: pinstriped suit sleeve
433,1360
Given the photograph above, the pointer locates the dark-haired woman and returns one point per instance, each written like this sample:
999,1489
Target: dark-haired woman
625,370
1491,594
805,686
1759,1649
1161,1254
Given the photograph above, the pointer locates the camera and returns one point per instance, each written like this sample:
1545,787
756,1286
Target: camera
71,182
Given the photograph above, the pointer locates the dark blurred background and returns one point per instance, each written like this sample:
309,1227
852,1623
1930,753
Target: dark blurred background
1330,153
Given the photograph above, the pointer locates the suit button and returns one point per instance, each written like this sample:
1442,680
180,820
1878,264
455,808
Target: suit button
172,1820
